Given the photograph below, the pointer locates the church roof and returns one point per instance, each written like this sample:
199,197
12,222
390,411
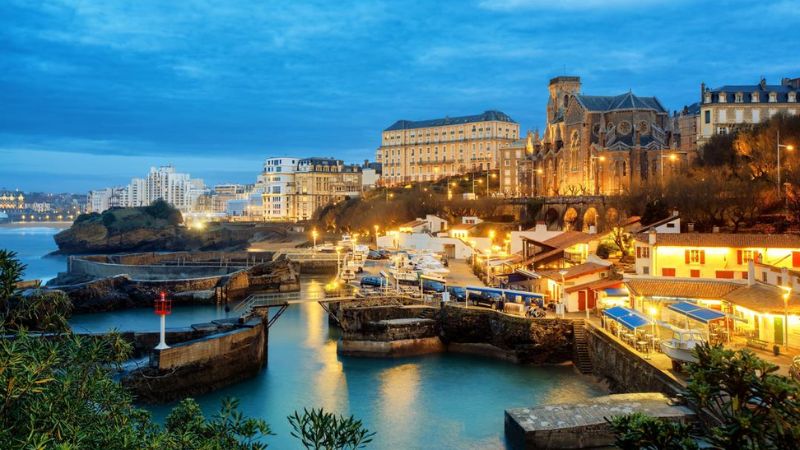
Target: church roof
487,116
625,101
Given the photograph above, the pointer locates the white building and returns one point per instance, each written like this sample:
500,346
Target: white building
276,183
177,189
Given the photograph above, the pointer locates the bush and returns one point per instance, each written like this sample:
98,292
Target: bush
604,250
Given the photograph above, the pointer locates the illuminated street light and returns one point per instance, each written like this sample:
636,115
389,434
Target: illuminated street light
314,235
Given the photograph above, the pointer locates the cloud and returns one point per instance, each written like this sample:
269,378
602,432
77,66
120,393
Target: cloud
516,5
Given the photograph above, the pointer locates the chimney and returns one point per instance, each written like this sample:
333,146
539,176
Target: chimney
592,229
690,227
651,237
715,229
675,213
702,91
751,273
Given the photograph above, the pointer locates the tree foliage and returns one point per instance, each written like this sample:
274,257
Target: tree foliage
638,431
745,404
320,430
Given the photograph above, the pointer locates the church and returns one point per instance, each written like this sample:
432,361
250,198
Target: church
603,145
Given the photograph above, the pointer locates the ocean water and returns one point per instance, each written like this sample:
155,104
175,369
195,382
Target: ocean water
445,401
32,244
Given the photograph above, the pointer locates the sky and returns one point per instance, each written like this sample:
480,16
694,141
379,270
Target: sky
93,93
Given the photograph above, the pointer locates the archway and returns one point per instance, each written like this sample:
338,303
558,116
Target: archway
612,217
590,219
570,219
551,219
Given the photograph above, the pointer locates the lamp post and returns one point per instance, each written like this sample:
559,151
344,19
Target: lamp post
653,312
562,304
787,290
376,234
314,235
598,160
778,147
488,256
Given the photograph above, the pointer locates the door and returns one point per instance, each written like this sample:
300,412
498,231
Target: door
581,300
450,251
778,321
592,299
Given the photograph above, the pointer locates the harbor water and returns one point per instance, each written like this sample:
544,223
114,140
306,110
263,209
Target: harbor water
445,401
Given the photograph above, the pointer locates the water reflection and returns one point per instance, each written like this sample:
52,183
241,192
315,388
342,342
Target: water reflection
399,388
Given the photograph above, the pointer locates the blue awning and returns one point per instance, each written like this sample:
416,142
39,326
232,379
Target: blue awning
616,292
507,292
698,313
627,317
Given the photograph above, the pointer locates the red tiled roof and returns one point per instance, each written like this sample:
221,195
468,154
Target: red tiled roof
763,298
595,285
668,287
732,240
574,271
569,238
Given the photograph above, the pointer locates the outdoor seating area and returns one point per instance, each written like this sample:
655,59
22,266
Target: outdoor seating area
632,328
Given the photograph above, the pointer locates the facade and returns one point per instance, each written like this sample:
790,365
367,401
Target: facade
515,166
103,199
292,189
713,255
429,149
731,107
12,201
177,189
595,145
687,121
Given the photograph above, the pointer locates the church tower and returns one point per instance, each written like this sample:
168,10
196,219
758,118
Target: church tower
561,88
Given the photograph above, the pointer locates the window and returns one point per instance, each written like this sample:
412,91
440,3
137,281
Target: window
695,273
739,115
756,116
708,117
745,256
739,97
725,274
646,270
695,257
723,115
795,259
773,97
667,272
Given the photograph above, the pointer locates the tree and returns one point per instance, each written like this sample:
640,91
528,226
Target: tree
59,392
639,431
745,404
320,430
11,271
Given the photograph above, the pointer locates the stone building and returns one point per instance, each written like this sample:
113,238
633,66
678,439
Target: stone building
292,189
596,145
730,107
686,121
12,201
428,149
515,166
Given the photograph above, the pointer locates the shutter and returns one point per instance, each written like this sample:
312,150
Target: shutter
638,252
686,254
739,257
702,256
795,259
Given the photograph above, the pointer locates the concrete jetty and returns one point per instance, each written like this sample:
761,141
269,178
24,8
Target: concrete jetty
583,424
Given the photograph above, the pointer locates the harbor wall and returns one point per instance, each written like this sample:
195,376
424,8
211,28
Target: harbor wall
201,365
623,369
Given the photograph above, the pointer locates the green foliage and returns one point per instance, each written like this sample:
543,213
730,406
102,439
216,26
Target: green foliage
88,217
745,404
11,271
59,393
753,407
638,431
654,211
719,151
319,430
160,209
604,250
39,310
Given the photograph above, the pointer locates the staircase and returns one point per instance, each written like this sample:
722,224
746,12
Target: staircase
582,360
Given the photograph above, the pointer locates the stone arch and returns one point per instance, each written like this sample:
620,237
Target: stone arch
612,216
591,218
571,219
551,219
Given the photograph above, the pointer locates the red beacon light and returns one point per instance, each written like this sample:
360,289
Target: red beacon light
163,306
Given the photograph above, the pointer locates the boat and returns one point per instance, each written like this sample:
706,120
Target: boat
680,349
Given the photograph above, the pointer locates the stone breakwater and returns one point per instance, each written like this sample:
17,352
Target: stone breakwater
392,328
228,351
102,282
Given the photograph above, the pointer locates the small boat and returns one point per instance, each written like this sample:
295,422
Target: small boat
680,348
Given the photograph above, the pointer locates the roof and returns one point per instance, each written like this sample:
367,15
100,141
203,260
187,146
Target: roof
462,227
763,298
650,226
574,271
667,287
487,116
414,224
763,90
696,312
627,101
735,240
568,239
630,318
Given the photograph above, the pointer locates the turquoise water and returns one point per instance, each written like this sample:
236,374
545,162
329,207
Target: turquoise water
31,245
433,402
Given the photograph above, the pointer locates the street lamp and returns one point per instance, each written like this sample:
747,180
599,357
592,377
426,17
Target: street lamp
376,234
653,312
488,255
787,290
600,158
314,235
561,306
778,147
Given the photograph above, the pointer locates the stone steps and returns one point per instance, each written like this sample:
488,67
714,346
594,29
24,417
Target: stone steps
582,360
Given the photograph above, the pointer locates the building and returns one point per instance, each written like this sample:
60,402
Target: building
603,144
12,201
292,189
103,199
712,255
515,166
177,189
426,150
731,107
687,121
430,224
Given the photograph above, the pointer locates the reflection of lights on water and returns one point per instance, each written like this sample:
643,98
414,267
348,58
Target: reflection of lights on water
399,389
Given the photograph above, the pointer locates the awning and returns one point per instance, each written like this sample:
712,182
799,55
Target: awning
627,317
696,312
616,292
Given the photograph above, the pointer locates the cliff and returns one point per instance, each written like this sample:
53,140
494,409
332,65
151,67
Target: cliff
157,227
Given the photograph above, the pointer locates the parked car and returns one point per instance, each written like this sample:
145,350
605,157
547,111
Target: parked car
457,293
432,286
372,281
486,299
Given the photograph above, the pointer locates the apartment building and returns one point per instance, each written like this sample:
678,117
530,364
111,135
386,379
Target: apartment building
426,150
177,189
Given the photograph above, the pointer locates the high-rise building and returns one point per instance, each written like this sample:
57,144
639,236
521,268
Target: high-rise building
426,150
177,189
730,107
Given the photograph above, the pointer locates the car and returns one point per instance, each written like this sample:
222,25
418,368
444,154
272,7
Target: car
432,286
457,293
486,299
372,281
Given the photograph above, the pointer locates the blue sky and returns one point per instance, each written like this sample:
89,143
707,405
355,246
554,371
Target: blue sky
93,93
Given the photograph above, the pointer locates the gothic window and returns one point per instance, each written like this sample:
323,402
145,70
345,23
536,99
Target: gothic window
624,127
643,127
575,143
596,129
609,126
